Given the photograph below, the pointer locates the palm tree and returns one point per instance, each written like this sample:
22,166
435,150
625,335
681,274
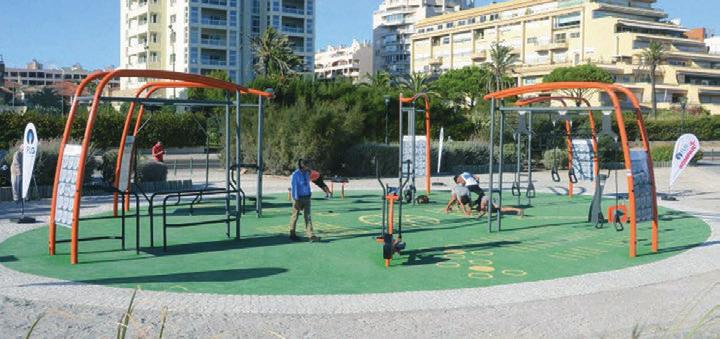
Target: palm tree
416,83
379,79
274,53
652,57
500,64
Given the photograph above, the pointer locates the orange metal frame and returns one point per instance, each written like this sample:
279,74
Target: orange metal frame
611,91
410,100
105,78
568,130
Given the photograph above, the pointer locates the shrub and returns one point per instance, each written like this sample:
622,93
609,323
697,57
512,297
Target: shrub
46,161
555,156
152,171
665,153
107,167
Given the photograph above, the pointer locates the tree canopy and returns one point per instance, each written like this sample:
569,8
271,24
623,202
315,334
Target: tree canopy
464,87
581,73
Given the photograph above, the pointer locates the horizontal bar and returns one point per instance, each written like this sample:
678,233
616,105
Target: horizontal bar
410,109
557,109
158,101
91,239
199,223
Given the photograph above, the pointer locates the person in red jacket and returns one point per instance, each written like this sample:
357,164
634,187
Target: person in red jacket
317,179
158,151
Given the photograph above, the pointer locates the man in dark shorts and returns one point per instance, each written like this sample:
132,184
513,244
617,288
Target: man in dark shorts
317,179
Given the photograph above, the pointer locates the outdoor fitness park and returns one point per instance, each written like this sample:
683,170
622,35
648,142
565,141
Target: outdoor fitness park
211,240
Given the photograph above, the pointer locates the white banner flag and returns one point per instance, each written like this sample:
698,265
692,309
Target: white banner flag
685,149
30,142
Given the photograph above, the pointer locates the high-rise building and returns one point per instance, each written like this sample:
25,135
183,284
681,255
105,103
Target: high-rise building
352,62
200,36
394,23
546,34
713,44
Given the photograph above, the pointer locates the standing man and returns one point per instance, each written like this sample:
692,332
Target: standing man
158,152
473,184
300,191
16,175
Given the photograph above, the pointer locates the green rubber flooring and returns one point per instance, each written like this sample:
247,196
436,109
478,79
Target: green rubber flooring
443,251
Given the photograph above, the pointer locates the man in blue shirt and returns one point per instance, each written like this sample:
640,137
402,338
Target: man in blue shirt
300,191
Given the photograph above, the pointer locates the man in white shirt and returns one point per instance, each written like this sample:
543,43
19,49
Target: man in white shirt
473,185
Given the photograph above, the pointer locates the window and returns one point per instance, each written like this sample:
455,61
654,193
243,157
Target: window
561,37
173,18
533,40
567,20
153,57
153,18
574,35
153,38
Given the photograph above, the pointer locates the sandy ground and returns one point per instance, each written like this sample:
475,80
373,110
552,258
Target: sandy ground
571,307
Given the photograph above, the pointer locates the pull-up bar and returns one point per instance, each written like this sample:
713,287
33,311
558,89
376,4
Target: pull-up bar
158,101
568,110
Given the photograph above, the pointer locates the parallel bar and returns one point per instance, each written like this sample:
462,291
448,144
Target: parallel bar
556,109
159,101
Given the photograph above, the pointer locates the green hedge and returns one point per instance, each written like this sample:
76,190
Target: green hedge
46,161
174,129
665,153
458,156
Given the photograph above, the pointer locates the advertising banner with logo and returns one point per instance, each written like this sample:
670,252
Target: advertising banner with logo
30,143
685,149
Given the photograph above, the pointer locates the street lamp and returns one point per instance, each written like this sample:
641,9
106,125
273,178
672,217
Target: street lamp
387,113
683,107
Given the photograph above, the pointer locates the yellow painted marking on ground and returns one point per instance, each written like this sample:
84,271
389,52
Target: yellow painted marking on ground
514,273
478,268
448,264
481,262
453,256
480,275
481,253
451,251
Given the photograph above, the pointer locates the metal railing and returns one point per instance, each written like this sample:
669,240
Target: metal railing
215,22
214,42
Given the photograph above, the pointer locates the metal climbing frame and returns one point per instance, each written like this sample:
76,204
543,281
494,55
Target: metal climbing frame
190,80
568,132
407,106
612,92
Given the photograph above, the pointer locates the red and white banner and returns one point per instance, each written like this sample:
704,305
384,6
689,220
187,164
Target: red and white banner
685,149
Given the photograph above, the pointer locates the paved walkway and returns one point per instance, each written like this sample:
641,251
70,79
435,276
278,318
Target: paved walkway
657,297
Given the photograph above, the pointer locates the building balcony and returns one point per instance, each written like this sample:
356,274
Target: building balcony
214,2
552,46
136,49
479,56
213,22
293,29
214,42
213,62
436,61
293,10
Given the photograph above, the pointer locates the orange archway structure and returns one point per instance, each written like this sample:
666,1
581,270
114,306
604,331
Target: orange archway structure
407,106
568,131
638,163
68,185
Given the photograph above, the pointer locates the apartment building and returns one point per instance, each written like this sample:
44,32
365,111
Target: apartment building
546,34
200,36
394,24
34,74
713,44
352,62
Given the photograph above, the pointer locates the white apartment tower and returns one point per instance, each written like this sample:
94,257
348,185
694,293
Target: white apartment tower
394,23
200,36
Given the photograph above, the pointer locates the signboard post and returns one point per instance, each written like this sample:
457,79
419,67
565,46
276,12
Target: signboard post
65,198
418,166
583,156
440,151
29,148
125,164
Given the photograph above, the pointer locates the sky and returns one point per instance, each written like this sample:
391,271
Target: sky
65,32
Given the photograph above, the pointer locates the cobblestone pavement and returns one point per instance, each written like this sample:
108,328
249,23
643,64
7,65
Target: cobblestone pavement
666,297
